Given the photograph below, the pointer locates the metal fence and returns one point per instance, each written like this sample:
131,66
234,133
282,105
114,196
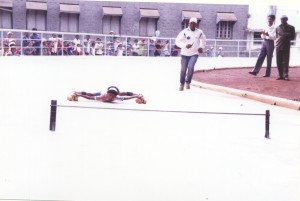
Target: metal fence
44,43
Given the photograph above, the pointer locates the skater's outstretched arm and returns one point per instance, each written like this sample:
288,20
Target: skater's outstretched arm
130,95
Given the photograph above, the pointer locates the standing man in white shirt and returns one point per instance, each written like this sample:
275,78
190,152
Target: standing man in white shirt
192,42
267,49
99,46
54,44
87,44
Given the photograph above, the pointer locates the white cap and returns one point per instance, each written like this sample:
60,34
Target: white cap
193,19
11,44
284,16
220,48
9,33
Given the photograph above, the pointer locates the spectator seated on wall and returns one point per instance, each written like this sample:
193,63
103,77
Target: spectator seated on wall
210,52
13,50
220,52
9,39
175,51
29,49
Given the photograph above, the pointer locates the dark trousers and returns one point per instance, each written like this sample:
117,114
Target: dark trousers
283,59
267,50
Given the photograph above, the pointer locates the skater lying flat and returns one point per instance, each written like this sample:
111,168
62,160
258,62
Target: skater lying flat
112,94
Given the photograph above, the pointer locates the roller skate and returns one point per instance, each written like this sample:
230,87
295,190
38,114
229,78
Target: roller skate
72,97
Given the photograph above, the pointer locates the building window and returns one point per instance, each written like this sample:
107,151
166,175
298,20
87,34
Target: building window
36,15
224,30
36,19
69,22
256,38
187,15
148,26
225,22
5,18
111,23
69,17
148,21
111,20
185,23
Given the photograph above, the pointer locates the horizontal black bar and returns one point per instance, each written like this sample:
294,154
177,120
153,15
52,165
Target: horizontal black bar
148,110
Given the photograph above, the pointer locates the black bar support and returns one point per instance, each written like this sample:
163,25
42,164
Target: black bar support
267,134
53,115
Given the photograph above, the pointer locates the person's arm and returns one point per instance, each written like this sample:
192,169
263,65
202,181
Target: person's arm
202,42
269,33
293,33
129,95
277,32
180,40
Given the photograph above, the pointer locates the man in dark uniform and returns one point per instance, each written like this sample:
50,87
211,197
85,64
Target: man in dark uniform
284,34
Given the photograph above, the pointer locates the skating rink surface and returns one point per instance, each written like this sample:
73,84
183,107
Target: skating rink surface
118,155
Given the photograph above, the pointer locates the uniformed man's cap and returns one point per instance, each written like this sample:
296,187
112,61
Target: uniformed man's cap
284,17
193,19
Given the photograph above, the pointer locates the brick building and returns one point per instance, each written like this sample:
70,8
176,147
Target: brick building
124,18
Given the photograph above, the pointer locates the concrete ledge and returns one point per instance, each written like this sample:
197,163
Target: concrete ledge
282,102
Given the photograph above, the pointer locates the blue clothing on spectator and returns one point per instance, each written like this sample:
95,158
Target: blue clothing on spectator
26,41
36,39
151,49
70,51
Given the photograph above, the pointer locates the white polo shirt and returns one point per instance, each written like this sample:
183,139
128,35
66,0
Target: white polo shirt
271,30
196,38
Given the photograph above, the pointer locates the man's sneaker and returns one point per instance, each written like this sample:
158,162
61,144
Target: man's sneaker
188,86
181,87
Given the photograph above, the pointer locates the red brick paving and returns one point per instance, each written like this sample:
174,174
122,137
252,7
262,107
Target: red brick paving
239,78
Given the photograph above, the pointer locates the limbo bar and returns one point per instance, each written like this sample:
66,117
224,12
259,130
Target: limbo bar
54,108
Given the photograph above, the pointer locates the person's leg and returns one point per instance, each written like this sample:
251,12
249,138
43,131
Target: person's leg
279,63
190,72
184,65
90,96
270,50
285,63
261,58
